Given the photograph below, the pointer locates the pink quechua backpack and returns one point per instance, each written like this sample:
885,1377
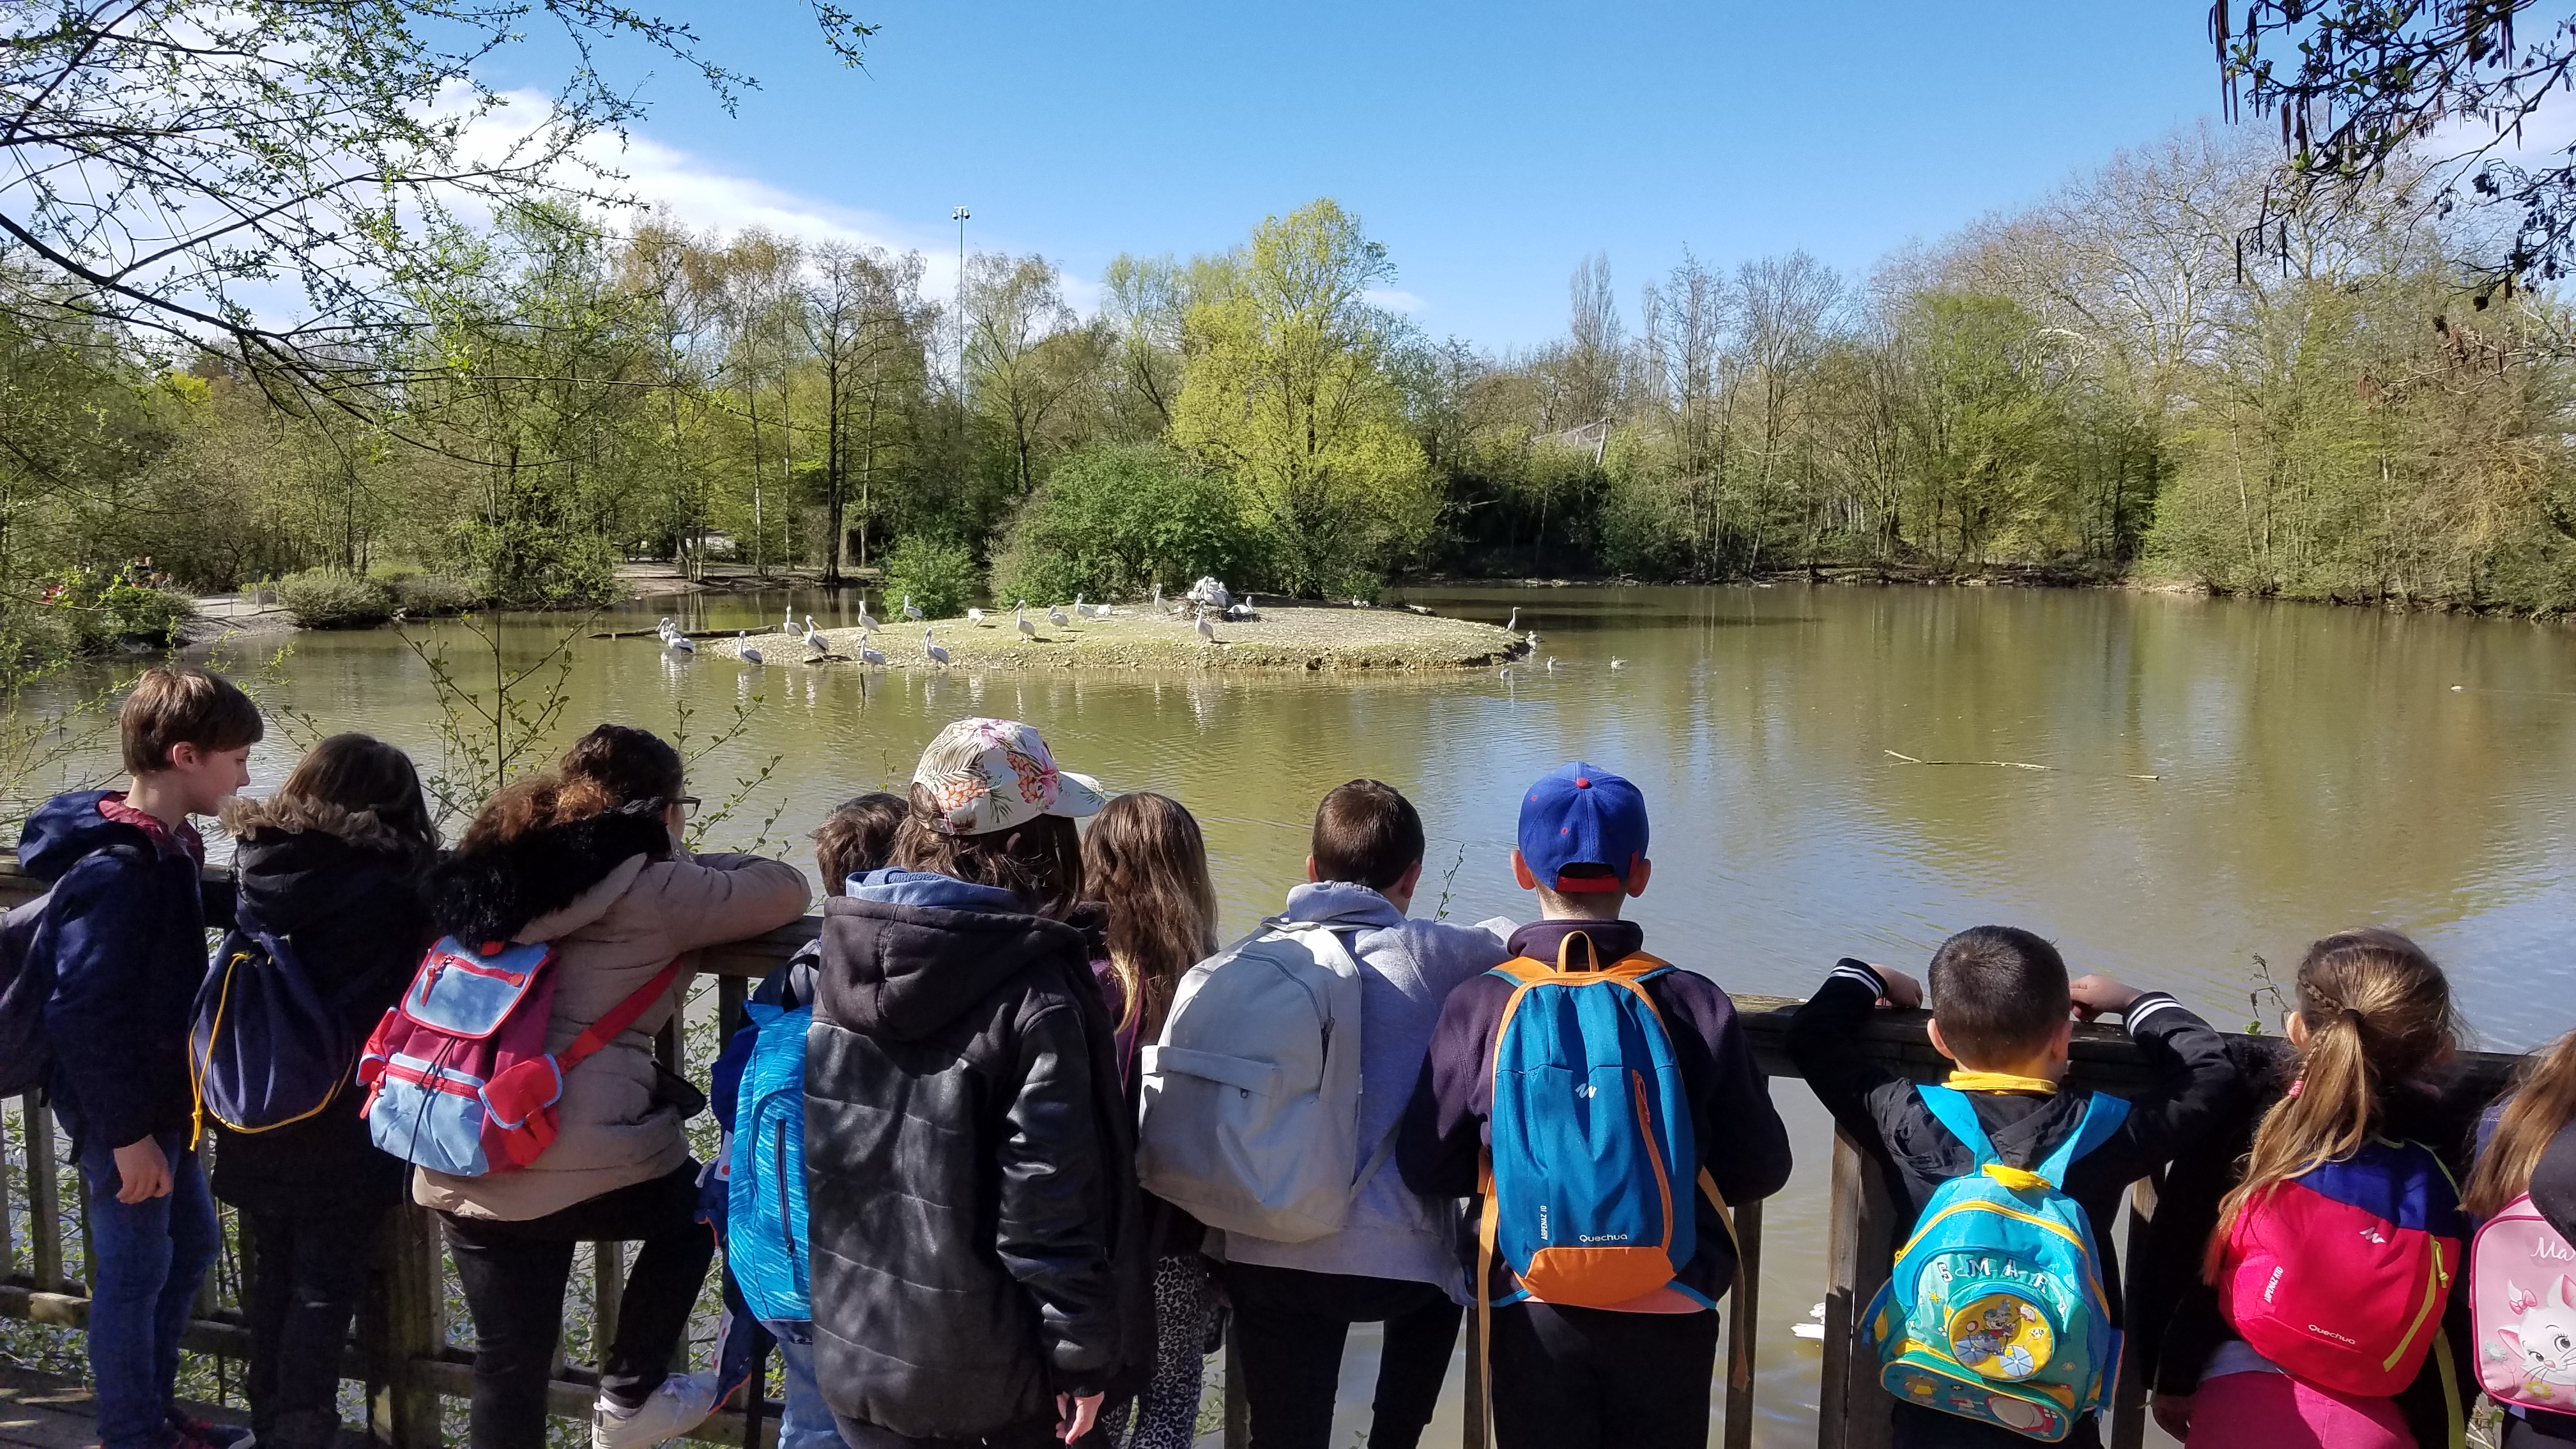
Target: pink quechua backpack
2522,1310
2339,1274
458,1077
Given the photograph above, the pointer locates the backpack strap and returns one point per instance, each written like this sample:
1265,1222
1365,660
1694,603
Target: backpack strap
2103,1115
1951,1108
621,1016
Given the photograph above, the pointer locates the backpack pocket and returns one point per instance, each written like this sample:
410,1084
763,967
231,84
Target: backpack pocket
428,1115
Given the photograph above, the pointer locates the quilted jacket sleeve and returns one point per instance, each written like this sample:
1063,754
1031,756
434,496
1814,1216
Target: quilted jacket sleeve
1053,1231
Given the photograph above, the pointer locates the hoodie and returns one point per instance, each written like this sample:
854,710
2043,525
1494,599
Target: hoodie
976,1242
345,893
124,933
1407,969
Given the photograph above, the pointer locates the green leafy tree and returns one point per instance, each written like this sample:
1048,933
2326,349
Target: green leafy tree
1114,521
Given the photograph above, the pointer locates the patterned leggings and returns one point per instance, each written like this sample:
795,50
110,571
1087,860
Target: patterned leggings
1185,1313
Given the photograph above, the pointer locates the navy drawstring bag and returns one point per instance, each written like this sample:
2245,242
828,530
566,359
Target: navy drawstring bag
267,1048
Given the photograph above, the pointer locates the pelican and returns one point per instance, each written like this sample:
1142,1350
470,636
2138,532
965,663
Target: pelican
1506,671
1207,630
816,647
910,610
787,623
975,617
1028,630
937,654
1057,616
1081,610
1513,624
743,647
679,643
1533,638
1158,596
1618,663
866,620
666,626
868,655
1551,666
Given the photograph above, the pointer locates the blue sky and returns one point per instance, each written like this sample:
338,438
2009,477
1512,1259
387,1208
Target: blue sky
1490,145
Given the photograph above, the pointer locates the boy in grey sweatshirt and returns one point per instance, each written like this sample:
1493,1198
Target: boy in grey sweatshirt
1395,1259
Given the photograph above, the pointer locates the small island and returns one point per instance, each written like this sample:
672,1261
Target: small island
1314,637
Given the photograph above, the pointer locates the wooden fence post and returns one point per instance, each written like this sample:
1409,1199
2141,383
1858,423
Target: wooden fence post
44,1197
405,1412
1743,1317
1852,1411
2129,1395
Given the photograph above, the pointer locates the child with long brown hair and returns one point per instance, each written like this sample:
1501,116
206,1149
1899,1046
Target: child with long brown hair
2528,1145
2369,1027
1146,861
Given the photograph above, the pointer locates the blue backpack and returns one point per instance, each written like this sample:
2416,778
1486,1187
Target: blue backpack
765,1192
267,1048
1995,1311
1589,1181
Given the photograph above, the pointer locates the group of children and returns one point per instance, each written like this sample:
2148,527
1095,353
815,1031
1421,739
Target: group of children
1014,1142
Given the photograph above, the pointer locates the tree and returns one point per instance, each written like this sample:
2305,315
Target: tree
172,165
868,330
1288,394
1025,353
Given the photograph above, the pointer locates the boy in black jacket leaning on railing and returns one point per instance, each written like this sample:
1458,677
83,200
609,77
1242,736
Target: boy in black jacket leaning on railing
2000,1012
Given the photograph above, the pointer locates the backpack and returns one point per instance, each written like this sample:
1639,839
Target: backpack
26,984
765,1191
2339,1275
1251,1099
1593,1162
459,1079
266,1048
2522,1309
1995,1310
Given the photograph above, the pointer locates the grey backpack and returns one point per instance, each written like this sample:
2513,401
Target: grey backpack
1251,1115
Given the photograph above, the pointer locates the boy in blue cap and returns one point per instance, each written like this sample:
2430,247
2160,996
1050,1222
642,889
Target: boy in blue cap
1568,1377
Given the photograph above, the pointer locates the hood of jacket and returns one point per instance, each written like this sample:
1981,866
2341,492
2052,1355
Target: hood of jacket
299,863
903,971
69,827
1341,904
499,892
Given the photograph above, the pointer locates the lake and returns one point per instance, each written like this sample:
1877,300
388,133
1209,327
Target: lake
2223,781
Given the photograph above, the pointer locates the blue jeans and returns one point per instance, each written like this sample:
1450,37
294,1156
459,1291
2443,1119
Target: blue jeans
149,1258
806,1423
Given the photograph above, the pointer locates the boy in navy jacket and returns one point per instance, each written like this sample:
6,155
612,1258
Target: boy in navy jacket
124,934
2001,1008
1636,1376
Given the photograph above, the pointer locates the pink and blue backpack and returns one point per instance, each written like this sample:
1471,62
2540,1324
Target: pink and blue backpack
2339,1275
459,1077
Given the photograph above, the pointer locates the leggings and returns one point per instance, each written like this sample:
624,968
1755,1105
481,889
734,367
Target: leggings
304,1290
514,1276
1185,1317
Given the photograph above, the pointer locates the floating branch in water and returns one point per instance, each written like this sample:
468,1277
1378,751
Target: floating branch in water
2009,765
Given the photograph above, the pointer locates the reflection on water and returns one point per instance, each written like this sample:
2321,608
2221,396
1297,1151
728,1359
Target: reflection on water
2315,768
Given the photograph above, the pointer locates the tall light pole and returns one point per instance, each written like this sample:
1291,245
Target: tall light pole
959,216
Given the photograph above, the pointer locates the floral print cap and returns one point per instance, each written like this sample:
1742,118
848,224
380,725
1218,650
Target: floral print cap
994,774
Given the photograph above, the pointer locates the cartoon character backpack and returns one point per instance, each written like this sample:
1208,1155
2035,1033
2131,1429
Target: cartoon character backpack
2522,1310
458,1076
1995,1310
2338,1275
765,1185
1589,1180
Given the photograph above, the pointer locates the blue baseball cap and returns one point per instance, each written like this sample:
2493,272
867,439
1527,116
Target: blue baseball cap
1582,815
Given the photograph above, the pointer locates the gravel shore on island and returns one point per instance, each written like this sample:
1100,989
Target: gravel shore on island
1313,638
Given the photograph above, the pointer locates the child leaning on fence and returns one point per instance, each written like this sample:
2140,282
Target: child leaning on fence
123,933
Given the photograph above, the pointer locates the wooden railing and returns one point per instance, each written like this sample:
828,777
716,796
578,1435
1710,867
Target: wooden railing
403,1355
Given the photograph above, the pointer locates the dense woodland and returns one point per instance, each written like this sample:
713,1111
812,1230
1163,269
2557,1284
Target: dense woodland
2108,384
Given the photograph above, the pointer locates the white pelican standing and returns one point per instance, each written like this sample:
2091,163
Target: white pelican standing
1207,630
937,654
975,617
1551,666
787,621
679,643
744,647
1513,624
1618,663
1057,616
815,645
1028,630
867,621
910,610
1158,596
868,655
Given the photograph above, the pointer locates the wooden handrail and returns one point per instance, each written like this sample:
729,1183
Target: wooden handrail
405,1355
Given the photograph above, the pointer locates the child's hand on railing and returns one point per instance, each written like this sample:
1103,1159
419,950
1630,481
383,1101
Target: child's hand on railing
1903,991
2100,995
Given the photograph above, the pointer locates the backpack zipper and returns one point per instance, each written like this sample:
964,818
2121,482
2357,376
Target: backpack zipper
1646,1129
787,1219
2432,1295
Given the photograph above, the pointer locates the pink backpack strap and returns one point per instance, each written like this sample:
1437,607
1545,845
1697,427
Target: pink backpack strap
621,1016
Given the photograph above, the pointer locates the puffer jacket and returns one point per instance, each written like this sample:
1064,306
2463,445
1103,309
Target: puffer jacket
346,893
620,901
977,1246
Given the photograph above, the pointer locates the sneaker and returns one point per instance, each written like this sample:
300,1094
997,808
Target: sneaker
681,1403
196,1433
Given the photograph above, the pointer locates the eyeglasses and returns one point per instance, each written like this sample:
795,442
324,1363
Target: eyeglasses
687,805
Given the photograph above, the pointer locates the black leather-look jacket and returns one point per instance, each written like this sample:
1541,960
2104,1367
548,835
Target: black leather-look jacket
970,1173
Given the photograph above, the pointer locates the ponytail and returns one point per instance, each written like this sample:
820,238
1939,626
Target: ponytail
2543,1101
2375,1011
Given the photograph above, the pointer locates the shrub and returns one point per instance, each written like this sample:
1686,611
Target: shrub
938,574
152,615
427,595
1114,521
325,599
538,567
1041,575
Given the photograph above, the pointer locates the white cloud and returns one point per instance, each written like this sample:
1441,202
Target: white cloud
1396,299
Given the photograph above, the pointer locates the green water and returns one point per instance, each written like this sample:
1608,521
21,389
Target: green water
2313,768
